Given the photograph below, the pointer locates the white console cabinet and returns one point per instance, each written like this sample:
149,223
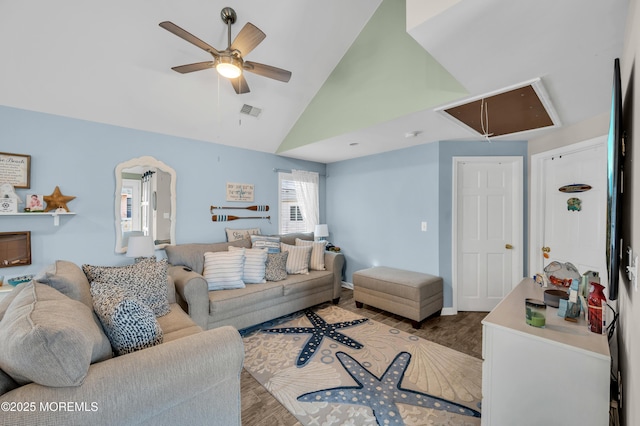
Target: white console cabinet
557,375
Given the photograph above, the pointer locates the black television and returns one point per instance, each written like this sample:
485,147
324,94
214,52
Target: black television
615,166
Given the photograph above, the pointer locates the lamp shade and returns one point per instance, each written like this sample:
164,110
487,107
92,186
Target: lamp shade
321,231
140,246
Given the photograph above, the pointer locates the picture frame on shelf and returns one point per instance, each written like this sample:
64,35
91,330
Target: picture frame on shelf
15,169
34,203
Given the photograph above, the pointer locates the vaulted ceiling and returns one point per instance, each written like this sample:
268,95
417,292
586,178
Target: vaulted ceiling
366,73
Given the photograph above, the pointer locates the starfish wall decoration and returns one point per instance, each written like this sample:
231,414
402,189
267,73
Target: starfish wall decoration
319,330
57,200
382,394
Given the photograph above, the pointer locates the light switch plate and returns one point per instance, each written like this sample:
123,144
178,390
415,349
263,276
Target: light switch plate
632,269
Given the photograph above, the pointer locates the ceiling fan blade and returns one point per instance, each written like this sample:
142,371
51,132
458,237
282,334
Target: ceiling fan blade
240,85
183,69
247,39
185,35
267,71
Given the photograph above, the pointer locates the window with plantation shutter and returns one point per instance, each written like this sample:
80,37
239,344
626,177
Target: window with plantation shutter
294,214
298,201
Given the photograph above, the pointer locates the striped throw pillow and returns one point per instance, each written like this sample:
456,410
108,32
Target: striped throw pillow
317,253
223,269
298,258
253,270
272,243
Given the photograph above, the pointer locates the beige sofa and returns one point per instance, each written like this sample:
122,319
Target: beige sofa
193,377
256,303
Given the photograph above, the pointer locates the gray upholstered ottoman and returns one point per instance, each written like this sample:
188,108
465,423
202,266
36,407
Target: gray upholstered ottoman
413,295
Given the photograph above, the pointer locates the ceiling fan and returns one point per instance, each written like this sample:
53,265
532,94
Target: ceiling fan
230,62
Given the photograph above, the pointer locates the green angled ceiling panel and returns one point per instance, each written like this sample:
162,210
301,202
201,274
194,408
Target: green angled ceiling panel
384,75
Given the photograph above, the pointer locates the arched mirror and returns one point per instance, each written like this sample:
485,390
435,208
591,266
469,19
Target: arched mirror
145,202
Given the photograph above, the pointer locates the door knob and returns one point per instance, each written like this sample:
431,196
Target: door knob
508,246
546,249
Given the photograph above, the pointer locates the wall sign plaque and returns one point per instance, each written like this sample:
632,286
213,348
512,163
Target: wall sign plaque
8,205
15,169
575,187
239,192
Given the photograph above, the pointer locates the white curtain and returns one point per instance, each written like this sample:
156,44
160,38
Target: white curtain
307,195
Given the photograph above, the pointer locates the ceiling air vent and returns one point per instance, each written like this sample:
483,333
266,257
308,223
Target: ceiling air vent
509,111
250,110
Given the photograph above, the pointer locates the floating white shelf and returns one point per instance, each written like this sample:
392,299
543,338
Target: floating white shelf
55,215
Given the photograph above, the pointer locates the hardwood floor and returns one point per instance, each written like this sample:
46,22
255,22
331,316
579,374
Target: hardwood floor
462,332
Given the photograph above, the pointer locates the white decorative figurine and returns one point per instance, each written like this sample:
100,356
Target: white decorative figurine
7,191
9,200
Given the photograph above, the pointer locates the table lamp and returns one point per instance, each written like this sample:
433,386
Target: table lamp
140,246
321,232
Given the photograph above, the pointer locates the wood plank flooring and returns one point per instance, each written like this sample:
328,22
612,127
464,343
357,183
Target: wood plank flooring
462,332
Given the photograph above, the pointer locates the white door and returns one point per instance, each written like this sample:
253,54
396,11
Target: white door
487,230
570,230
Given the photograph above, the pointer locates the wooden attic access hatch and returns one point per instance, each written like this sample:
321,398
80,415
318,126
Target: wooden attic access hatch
513,110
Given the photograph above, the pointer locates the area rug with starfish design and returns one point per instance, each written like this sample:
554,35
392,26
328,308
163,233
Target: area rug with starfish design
329,366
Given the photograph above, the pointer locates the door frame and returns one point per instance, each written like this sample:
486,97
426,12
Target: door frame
537,204
517,163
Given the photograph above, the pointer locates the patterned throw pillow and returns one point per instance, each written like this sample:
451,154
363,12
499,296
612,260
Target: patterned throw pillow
317,253
241,234
271,243
145,280
129,323
276,266
254,264
223,269
298,260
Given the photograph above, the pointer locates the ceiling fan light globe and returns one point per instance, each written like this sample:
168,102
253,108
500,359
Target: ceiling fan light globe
228,67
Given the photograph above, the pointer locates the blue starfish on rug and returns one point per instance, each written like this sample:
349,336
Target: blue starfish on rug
319,330
382,394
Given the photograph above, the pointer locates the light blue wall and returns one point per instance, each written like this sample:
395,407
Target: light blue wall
80,157
375,205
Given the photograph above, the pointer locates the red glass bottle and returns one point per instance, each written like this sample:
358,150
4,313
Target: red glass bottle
596,302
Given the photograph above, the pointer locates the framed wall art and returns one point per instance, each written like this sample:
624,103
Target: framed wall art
15,249
239,192
15,169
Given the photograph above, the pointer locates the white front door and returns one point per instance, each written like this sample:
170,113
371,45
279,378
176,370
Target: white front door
570,230
487,230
